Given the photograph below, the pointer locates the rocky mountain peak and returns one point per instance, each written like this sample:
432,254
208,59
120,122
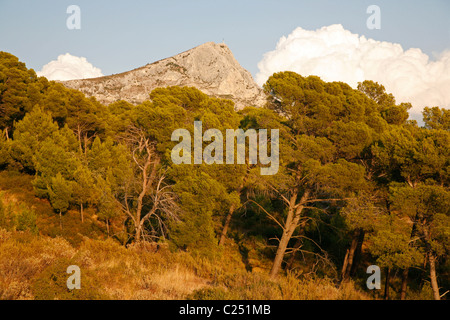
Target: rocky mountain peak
210,67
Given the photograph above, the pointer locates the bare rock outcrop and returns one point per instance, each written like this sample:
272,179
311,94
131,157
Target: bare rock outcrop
209,67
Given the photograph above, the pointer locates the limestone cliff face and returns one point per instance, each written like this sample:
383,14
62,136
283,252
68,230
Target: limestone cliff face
209,67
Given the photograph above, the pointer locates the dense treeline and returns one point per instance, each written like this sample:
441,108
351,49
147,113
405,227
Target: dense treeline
358,183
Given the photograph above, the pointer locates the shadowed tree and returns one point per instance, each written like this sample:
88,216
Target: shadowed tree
5,150
419,160
361,214
428,207
391,243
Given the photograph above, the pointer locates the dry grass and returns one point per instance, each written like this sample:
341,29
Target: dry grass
174,283
22,257
30,264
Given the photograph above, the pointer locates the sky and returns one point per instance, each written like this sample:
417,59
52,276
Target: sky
264,35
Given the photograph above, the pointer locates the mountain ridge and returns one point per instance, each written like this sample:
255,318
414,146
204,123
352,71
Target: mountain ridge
210,67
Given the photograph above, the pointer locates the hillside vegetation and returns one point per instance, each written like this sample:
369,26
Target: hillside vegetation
93,185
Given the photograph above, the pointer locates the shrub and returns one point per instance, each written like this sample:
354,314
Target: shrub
51,284
18,217
26,220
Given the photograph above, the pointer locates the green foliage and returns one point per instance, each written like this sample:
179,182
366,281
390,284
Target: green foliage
391,244
18,86
362,213
392,113
312,105
110,161
340,179
107,205
429,207
60,193
84,116
29,134
50,159
436,118
351,138
83,188
178,107
201,196
411,154
118,117
421,202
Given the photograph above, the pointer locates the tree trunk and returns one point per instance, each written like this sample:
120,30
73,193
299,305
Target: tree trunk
227,224
81,212
280,253
296,247
107,226
404,284
85,144
386,286
292,222
348,262
60,219
344,265
432,262
433,277
147,180
358,252
138,232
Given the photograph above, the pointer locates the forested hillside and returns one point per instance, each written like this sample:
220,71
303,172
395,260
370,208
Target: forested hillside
93,185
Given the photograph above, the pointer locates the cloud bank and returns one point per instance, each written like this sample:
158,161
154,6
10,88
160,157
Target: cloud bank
68,67
336,54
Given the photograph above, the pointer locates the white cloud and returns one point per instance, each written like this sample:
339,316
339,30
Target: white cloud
336,54
68,67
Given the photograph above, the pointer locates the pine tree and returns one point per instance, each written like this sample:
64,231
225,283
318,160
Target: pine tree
60,193
83,188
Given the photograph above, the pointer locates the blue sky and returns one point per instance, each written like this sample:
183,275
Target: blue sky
117,36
